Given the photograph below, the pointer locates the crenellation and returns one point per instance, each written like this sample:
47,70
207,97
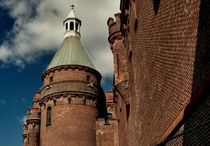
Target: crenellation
33,114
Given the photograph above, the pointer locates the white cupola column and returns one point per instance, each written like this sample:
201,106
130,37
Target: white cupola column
72,24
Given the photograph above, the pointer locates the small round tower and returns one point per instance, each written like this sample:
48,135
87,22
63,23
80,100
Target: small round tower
120,57
71,89
33,127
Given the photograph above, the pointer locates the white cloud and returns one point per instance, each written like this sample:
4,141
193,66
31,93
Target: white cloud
38,29
22,120
5,53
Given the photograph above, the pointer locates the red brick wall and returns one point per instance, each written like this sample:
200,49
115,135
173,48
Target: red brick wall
162,36
69,74
71,125
194,129
123,122
107,135
73,99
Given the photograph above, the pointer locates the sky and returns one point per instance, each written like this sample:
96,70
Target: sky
30,33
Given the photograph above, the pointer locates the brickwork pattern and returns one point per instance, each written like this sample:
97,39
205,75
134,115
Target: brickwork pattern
71,125
195,128
107,134
161,40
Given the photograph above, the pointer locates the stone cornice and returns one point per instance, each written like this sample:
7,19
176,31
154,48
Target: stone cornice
66,67
66,81
67,94
33,121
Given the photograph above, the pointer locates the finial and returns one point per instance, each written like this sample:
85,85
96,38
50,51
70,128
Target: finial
72,6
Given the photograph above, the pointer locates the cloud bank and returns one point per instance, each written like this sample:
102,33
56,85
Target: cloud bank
38,30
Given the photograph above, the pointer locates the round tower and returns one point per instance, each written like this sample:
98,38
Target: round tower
32,129
71,87
120,57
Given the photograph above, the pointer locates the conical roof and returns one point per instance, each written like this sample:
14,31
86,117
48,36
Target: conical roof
71,14
71,52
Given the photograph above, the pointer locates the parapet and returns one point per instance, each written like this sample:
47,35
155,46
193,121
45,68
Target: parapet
33,114
36,100
114,27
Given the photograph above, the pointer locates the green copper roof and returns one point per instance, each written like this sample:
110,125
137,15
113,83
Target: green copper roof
71,52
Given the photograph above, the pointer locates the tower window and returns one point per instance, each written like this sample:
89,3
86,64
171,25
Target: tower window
49,110
51,79
88,78
77,26
66,26
71,25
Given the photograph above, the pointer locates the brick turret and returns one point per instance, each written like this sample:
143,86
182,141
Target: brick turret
71,93
120,57
120,87
31,130
71,97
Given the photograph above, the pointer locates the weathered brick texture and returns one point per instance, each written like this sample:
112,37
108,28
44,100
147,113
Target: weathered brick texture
71,125
167,43
194,129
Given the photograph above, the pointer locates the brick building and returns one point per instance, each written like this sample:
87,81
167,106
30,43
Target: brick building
161,88
66,108
162,71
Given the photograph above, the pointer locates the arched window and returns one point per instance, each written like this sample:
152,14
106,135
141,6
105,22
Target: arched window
71,25
66,26
49,110
77,26
51,79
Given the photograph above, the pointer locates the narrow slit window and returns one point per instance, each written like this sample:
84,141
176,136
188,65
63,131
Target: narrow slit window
71,25
49,110
51,79
66,26
88,78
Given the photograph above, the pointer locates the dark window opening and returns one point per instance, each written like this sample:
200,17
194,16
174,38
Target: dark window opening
156,5
130,55
77,26
49,110
118,66
128,110
51,79
88,78
136,25
127,3
71,25
66,26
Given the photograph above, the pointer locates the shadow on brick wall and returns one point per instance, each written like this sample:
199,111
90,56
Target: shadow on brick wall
195,126
197,121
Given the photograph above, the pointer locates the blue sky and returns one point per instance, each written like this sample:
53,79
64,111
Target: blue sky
30,33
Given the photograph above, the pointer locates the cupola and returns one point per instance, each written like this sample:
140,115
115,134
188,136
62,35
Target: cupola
72,24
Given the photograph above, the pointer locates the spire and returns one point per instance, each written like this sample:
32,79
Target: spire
71,13
72,51
72,24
